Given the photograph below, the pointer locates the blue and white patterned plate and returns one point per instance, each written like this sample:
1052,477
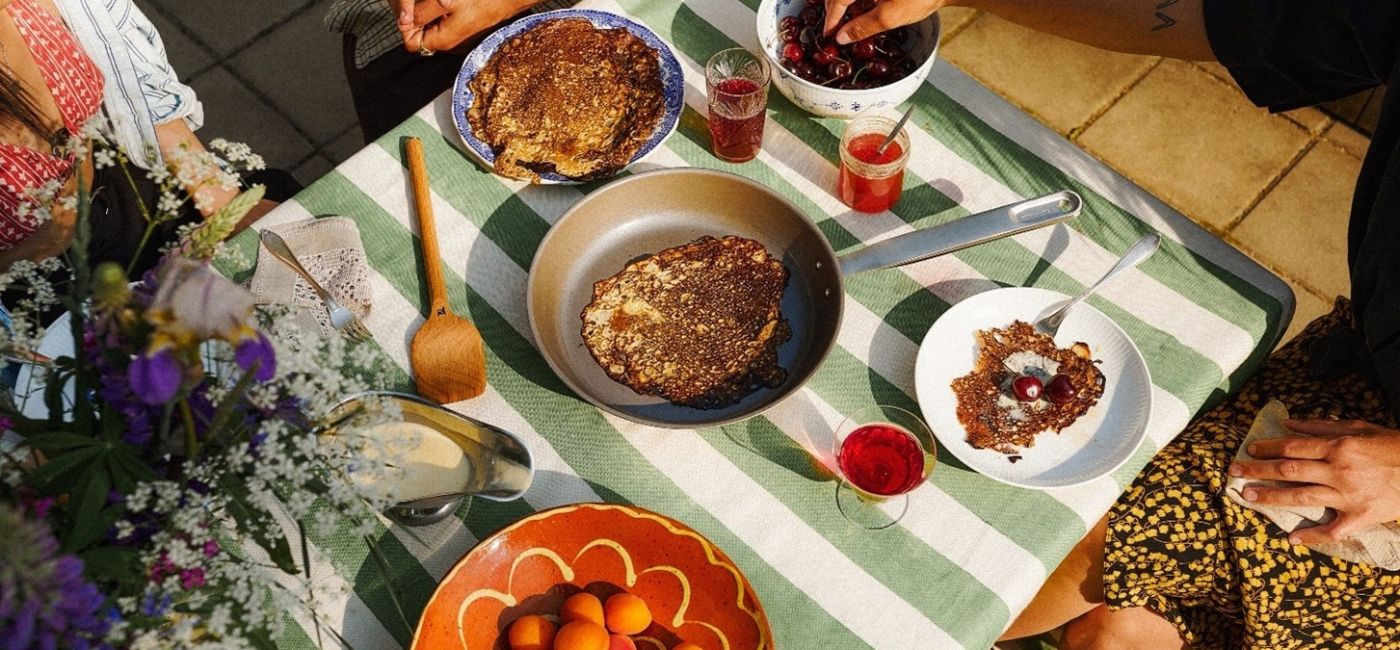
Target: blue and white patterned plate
672,80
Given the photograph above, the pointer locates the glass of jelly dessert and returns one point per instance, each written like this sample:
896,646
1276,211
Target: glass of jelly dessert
882,454
736,84
871,180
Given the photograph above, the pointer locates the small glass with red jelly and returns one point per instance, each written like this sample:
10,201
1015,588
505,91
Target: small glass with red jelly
736,84
882,454
871,180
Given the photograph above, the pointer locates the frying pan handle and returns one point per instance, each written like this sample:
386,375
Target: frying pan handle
961,233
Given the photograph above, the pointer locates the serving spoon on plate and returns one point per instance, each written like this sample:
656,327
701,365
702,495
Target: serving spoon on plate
1135,255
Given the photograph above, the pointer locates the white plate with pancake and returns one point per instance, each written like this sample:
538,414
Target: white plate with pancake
1096,444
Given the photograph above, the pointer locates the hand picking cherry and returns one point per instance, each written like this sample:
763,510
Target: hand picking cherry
807,52
1026,388
1060,390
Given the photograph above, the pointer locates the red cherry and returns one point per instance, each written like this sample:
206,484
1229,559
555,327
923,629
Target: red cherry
792,52
839,69
789,22
1060,390
864,49
825,55
877,68
812,15
1026,388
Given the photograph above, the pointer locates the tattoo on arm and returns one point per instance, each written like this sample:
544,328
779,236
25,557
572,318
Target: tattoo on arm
1163,20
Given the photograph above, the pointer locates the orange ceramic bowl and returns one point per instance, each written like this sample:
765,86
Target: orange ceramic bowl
693,589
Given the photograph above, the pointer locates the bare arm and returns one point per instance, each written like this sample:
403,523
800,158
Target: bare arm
1174,28
176,142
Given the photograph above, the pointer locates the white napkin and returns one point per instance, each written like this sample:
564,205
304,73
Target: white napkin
331,250
1377,545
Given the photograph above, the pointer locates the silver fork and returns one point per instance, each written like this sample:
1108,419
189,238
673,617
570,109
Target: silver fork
342,319
1135,255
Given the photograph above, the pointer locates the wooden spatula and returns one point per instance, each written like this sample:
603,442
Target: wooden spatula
449,362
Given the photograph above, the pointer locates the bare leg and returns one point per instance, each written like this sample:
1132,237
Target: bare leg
1134,628
1073,589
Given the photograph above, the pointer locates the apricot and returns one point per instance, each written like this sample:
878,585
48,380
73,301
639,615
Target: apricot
581,635
582,606
531,632
619,642
626,614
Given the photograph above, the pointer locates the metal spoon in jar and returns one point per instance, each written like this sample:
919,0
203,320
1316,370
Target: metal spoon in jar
895,131
1135,255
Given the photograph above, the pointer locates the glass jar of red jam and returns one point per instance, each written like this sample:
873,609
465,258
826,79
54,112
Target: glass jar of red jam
871,180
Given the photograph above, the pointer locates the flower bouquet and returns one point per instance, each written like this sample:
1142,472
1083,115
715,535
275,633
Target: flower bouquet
161,495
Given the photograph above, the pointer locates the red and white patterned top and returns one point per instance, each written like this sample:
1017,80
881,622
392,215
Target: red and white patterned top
76,85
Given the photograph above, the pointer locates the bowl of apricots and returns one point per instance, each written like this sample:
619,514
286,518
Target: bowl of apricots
594,577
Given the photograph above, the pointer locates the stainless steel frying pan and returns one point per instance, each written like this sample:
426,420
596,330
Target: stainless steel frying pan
646,213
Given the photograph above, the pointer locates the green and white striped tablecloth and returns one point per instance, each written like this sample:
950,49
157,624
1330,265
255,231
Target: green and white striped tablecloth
971,552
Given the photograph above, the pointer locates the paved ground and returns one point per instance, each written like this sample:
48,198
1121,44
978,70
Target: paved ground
1277,186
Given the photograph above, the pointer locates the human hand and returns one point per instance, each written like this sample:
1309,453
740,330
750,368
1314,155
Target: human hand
444,25
883,16
1350,466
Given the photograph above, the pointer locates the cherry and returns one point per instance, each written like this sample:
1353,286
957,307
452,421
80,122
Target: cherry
792,52
808,36
788,35
1060,390
825,55
864,49
1026,388
789,22
877,68
820,4
839,69
811,16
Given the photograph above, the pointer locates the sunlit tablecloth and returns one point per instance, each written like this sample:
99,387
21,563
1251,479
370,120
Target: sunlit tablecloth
971,552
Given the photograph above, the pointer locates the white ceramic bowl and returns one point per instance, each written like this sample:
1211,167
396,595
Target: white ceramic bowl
834,102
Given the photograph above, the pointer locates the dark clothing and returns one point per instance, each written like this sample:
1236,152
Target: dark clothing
394,86
1225,575
1291,53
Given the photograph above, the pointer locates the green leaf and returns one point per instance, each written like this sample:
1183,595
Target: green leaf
389,586
275,543
55,477
111,563
260,639
59,440
87,504
131,464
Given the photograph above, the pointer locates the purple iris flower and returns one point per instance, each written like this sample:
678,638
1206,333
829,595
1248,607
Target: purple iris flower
44,600
257,349
155,378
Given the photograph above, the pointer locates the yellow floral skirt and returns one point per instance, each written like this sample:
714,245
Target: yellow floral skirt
1223,574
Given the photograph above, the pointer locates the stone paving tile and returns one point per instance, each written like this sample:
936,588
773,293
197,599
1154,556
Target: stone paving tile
954,19
1349,139
1310,306
1312,119
1062,82
187,57
312,168
227,25
345,145
298,68
1193,141
232,111
1300,228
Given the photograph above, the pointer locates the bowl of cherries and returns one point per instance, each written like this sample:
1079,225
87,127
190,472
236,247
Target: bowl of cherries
833,80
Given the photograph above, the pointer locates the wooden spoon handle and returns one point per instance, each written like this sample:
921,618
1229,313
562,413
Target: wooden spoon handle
427,228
